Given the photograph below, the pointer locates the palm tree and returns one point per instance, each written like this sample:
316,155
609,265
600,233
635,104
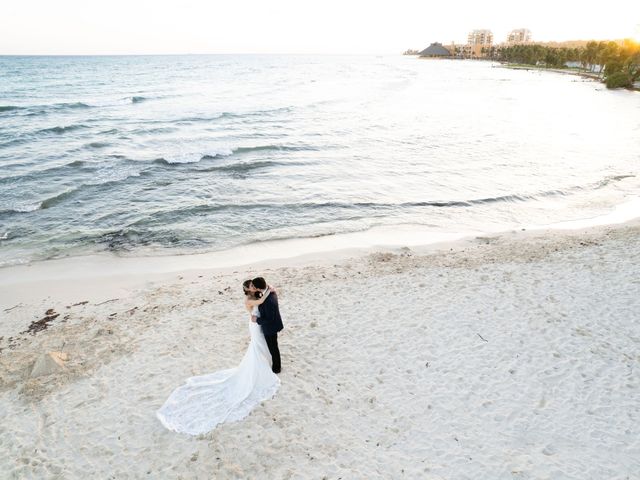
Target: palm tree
590,54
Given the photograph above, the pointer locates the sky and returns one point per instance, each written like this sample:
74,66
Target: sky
80,27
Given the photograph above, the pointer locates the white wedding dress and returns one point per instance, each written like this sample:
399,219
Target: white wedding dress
229,395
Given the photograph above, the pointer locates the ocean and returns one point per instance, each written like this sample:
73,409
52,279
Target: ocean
153,155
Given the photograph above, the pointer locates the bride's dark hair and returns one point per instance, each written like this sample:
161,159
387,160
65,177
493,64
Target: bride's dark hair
246,291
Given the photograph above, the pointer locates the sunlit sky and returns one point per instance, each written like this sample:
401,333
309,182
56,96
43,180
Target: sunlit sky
287,26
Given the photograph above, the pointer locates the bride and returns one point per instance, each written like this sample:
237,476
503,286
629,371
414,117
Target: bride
229,395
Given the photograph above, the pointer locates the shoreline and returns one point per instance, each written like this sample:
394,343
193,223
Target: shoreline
98,277
568,71
106,279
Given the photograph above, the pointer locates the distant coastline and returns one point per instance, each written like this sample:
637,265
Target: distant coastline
615,63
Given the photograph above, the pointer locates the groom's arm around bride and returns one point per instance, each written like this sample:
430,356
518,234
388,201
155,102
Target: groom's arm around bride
270,321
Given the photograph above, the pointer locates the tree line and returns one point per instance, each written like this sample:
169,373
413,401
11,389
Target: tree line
618,64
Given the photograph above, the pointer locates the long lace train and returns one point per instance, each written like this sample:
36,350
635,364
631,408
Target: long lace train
205,401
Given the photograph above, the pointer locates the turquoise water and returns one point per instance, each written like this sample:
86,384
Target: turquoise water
175,154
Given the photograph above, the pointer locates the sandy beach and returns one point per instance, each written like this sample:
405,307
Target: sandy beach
510,356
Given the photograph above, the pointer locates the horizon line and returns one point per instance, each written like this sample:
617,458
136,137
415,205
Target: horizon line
140,54
182,54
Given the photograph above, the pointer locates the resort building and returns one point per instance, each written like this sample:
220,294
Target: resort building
519,36
479,43
480,37
468,51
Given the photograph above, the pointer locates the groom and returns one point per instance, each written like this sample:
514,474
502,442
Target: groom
270,321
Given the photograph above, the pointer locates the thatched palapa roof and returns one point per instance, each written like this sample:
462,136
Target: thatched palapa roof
435,50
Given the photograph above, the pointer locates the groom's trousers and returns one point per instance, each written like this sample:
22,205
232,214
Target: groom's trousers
272,343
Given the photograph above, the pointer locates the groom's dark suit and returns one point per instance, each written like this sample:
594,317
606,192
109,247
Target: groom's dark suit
271,324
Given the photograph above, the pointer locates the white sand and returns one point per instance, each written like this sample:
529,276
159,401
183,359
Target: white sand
511,356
